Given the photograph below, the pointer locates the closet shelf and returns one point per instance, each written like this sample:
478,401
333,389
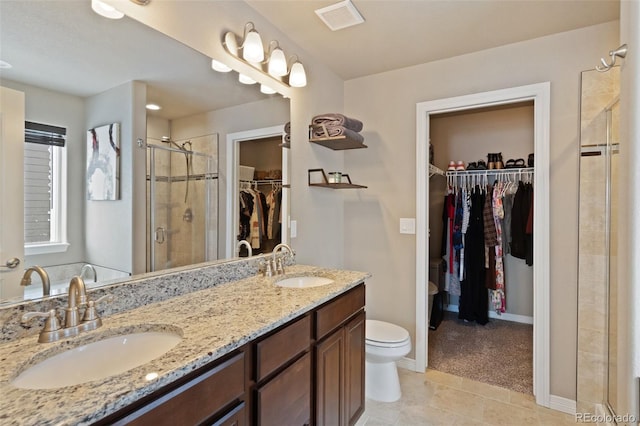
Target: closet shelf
326,184
433,170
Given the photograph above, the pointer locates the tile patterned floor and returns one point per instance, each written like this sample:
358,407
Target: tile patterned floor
437,398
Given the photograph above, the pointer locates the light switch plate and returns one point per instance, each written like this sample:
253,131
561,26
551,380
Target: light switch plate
293,229
407,225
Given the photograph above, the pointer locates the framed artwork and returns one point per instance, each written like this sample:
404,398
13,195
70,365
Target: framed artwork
103,163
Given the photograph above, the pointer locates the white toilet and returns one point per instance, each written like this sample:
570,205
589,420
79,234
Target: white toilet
385,344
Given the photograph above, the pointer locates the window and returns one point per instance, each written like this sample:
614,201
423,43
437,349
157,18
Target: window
44,189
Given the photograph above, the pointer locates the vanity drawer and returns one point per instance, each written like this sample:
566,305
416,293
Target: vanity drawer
195,401
331,315
282,346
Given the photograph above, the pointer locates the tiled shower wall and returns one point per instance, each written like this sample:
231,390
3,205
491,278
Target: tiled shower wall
598,91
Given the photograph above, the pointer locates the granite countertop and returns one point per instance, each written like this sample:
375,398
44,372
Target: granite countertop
212,322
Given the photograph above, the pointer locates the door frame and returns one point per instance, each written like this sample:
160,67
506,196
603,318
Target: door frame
540,95
232,188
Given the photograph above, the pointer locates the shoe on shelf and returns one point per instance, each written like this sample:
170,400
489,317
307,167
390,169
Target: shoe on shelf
510,164
460,166
452,166
481,165
530,160
472,166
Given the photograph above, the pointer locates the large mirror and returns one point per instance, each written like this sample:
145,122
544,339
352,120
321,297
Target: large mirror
80,71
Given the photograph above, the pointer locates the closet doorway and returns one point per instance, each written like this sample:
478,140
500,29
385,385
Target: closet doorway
264,160
539,95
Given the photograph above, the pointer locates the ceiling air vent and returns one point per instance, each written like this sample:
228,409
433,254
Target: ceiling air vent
340,15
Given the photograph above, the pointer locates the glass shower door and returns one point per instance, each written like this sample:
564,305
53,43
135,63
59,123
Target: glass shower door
182,206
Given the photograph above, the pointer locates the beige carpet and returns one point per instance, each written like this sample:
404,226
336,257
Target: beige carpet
499,353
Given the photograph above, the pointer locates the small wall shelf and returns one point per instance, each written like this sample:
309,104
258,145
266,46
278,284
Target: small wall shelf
337,143
326,184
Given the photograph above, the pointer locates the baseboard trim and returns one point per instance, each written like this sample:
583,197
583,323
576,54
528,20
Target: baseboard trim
407,364
565,405
506,316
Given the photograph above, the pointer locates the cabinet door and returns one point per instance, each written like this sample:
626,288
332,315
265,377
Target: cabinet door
354,334
330,380
286,399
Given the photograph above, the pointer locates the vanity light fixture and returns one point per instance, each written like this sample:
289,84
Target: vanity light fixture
266,89
251,52
297,76
277,65
103,9
244,79
153,107
219,66
252,49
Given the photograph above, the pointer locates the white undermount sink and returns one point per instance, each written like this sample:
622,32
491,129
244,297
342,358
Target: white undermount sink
97,360
304,282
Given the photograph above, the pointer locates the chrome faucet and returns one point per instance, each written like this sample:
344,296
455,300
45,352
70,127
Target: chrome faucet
44,277
92,269
73,324
247,245
277,262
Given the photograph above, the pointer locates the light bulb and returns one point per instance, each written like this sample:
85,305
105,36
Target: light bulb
252,49
245,79
277,63
219,66
103,9
266,89
297,77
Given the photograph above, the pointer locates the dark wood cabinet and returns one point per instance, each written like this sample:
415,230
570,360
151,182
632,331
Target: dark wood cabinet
286,399
200,398
308,371
340,352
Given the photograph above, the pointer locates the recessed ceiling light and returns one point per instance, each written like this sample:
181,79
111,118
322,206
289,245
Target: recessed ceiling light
153,107
103,9
5,65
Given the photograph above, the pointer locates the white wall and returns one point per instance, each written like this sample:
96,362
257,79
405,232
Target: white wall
115,237
61,109
386,104
629,245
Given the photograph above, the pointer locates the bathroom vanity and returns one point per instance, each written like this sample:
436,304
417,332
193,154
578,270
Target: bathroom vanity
251,352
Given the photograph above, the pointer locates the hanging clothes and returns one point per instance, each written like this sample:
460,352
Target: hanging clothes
519,218
473,305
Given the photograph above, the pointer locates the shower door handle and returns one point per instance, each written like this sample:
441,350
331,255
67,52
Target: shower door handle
10,264
159,235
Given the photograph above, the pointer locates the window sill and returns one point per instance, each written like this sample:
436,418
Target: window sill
33,249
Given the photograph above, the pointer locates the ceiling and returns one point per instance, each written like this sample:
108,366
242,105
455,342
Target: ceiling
64,46
402,33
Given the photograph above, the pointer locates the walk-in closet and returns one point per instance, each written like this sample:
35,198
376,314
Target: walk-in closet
260,197
481,244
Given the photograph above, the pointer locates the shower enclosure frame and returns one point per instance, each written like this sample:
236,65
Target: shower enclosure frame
208,177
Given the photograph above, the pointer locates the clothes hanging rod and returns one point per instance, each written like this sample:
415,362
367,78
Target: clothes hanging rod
490,172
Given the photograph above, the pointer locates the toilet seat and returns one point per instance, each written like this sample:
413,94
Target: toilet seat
385,335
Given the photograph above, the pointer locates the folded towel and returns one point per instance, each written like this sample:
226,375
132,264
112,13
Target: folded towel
337,131
335,119
287,127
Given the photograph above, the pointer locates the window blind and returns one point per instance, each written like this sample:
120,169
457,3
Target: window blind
40,142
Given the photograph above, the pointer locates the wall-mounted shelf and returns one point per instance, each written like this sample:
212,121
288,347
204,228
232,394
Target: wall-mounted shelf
326,184
337,143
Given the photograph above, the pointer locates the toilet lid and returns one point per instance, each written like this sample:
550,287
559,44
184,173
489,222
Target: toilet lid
384,332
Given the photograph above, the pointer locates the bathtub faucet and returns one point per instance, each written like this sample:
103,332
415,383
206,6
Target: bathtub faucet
91,268
44,277
247,245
